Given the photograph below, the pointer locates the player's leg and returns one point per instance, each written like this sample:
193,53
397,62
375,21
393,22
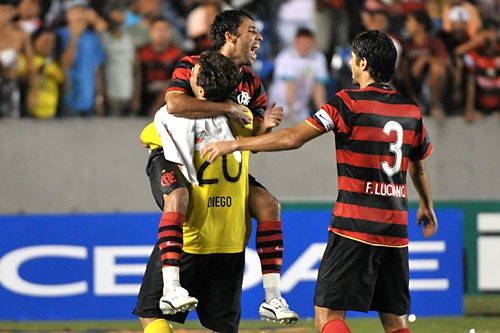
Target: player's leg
329,321
220,288
266,209
170,190
339,287
155,325
147,307
393,323
391,298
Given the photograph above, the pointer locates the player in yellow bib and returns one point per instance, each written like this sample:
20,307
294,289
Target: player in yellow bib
217,225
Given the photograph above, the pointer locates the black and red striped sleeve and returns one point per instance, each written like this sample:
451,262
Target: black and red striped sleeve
181,75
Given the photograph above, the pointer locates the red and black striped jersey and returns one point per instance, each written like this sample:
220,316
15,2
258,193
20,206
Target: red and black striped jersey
486,70
250,92
377,132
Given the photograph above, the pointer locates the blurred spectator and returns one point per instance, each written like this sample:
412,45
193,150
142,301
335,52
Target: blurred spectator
332,26
29,15
119,64
473,20
379,19
483,63
82,57
293,14
457,36
458,18
50,74
488,8
198,22
300,77
156,62
425,64
147,11
14,44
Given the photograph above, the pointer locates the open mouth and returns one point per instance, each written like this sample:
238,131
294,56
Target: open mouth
253,50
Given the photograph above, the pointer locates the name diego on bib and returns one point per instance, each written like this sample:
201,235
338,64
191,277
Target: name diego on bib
386,189
222,201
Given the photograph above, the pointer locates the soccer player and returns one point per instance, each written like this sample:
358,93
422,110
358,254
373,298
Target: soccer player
379,137
234,33
217,227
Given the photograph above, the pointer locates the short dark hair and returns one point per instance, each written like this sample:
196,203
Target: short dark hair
304,32
159,18
423,18
218,76
226,21
43,30
379,51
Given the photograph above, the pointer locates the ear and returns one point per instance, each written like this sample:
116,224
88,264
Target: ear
230,38
363,63
200,92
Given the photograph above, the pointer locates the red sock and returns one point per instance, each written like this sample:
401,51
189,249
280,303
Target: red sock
269,244
171,238
402,330
335,326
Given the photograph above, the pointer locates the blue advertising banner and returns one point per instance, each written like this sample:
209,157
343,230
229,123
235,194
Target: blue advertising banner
90,266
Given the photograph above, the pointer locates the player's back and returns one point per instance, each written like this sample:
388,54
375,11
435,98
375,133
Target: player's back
377,132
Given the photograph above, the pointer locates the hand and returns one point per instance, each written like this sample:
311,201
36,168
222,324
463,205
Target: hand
273,116
428,217
237,113
216,149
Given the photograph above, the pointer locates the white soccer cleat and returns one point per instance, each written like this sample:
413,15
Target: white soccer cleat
177,299
277,310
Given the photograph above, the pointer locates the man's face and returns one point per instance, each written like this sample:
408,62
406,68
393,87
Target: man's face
246,43
304,45
355,69
160,33
78,15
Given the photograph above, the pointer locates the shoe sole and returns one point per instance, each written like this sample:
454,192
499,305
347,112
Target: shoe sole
290,321
186,307
284,321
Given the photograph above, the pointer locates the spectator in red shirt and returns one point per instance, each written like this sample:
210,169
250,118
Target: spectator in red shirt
155,64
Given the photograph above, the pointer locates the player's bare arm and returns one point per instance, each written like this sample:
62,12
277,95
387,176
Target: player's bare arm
272,118
425,213
187,106
285,139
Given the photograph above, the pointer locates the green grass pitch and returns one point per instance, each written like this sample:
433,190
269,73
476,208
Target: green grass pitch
482,314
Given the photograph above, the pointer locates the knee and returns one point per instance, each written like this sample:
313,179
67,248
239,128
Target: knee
393,323
264,205
176,201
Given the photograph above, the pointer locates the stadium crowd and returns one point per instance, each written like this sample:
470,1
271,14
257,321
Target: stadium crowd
67,58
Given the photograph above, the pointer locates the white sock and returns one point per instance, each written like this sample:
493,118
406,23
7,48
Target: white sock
170,277
271,283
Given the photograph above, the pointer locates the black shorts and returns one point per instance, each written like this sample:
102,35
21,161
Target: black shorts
214,279
164,176
360,277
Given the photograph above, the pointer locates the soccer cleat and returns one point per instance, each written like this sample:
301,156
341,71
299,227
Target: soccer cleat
177,299
277,310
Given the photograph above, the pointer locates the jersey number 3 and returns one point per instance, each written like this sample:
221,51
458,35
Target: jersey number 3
394,147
